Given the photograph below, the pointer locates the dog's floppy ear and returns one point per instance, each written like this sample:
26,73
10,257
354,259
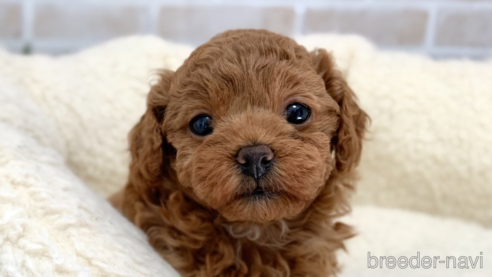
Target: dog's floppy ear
347,142
148,146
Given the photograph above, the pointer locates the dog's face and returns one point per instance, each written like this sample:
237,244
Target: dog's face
255,124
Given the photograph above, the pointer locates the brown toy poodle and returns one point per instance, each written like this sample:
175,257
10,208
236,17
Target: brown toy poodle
244,159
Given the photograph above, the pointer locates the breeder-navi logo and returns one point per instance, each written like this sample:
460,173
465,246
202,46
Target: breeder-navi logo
426,262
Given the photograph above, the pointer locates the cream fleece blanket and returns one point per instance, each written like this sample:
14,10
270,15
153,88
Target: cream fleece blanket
63,126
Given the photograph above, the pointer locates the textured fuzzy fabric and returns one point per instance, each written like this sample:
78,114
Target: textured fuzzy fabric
63,127
51,224
398,233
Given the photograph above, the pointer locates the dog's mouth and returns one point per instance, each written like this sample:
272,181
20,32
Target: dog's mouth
258,194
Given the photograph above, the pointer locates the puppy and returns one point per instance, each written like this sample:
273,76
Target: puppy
244,159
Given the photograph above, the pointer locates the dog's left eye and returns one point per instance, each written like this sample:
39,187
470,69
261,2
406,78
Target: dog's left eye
201,125
297,113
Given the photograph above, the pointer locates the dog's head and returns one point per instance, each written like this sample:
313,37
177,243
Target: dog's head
251,125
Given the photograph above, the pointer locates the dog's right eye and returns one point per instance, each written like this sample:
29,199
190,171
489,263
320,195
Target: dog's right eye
201,125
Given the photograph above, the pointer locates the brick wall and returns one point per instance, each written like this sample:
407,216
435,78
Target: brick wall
439,28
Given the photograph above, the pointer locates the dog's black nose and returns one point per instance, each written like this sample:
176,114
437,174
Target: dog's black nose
255,161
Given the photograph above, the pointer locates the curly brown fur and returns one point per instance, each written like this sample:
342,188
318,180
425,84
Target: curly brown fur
185,191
